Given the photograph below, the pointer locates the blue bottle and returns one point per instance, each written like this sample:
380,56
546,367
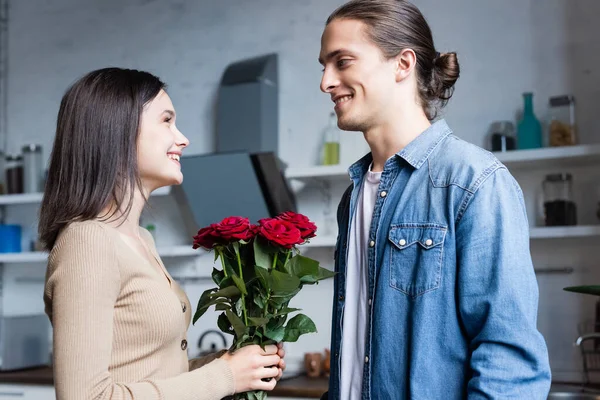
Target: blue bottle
529,129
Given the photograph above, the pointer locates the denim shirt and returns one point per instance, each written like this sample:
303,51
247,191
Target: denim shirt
452,292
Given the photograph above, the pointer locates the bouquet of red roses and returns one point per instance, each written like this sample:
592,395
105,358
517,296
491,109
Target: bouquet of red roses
261,271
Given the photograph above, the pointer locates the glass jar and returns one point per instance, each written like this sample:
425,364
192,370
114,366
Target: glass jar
33,169
502,136
330,153
14,174
562,129
2,173
559,207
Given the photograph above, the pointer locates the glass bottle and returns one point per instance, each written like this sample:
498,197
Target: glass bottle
529,129
331,142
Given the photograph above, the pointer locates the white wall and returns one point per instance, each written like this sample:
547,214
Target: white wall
505,48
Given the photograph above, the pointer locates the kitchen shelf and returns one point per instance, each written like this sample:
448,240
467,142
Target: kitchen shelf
38,256
34,198
560,232
320,241
566,156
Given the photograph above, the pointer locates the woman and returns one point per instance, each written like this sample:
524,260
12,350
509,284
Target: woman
118,317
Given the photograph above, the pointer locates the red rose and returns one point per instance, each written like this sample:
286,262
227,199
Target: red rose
280,232
306,227
207,237
235,228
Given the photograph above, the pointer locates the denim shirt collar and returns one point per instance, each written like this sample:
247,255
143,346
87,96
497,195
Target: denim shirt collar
415,153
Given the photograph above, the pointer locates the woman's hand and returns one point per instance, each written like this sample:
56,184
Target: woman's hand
281,366
251,364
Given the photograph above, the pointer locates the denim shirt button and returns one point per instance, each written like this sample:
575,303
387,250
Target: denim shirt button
370,301
383,194
402,242
366,359
428,242
341,297
372,243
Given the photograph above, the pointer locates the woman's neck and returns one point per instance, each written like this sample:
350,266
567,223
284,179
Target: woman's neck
125,222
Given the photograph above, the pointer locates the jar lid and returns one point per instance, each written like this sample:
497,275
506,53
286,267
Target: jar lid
558,177
561,101
31,148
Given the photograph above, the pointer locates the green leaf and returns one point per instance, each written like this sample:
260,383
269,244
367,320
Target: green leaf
240,284
236,323
264,277
262,257
282,300
213,301
217,276
589,289
297,326
259,301
230,291
283,284
276,333
239,305
205,298
287,310
223,307
256,321
308,270
224,324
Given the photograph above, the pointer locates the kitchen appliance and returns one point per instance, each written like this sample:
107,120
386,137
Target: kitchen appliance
24,341
225,184
248,106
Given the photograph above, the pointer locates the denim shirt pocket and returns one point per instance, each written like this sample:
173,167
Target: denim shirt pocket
416,257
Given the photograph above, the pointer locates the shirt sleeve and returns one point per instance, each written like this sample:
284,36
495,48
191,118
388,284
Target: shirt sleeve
498,294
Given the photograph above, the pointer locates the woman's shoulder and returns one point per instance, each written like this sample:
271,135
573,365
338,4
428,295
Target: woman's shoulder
83,236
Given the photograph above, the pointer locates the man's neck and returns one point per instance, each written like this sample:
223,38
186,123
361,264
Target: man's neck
396,133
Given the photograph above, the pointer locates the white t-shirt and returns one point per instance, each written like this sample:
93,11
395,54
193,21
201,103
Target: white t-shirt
356,306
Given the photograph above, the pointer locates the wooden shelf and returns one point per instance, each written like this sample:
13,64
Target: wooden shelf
35,198
39,257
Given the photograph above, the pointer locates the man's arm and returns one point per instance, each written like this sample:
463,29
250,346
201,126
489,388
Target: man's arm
498,294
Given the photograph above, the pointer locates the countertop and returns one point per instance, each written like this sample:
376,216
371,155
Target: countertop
296,386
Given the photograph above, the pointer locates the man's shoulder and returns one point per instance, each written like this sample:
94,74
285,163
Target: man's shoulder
460,163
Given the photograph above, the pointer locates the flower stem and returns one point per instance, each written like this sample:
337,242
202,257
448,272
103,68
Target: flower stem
237,253
274,261
221,256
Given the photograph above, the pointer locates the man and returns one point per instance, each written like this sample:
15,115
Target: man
435,296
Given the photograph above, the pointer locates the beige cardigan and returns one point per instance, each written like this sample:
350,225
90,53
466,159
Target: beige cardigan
120,323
